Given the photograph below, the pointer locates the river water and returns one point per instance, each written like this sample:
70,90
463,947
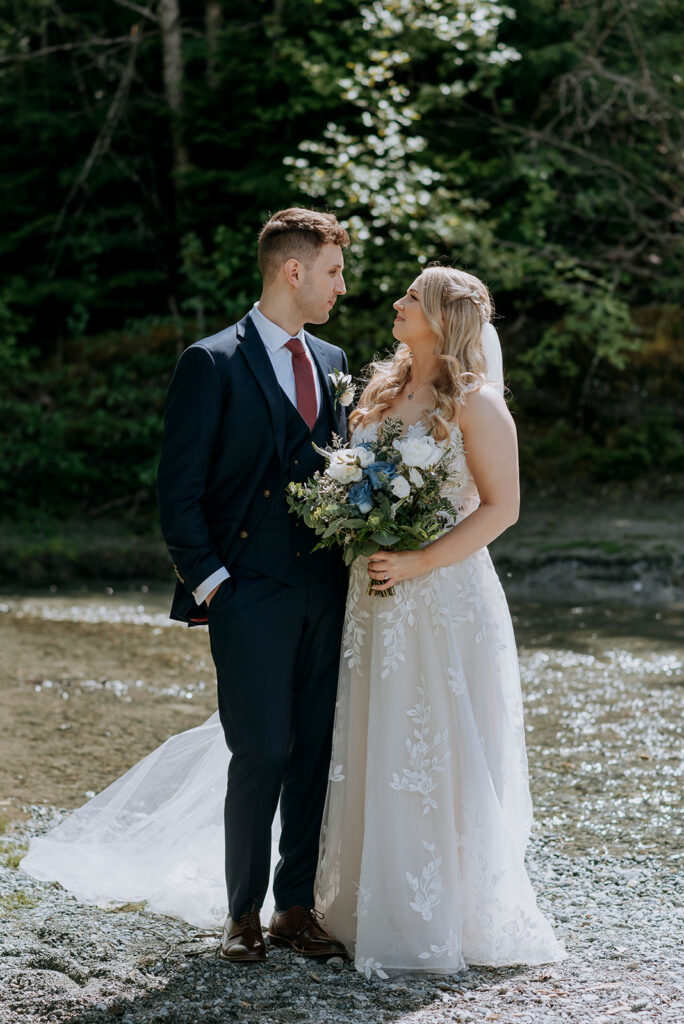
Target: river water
94,677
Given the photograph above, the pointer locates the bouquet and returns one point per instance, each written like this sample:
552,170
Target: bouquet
384,493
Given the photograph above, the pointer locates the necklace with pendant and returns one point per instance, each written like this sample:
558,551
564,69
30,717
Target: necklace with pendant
412,393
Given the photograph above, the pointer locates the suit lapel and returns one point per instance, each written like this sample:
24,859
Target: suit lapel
323,366
256,356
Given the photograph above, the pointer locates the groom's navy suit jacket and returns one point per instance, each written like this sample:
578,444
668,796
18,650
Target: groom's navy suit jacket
231,443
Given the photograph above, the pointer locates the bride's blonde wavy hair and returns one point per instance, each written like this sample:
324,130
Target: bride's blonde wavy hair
457,305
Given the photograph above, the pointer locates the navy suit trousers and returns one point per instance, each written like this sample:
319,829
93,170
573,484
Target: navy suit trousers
276,649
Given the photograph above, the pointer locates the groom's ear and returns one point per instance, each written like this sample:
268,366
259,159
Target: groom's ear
292,269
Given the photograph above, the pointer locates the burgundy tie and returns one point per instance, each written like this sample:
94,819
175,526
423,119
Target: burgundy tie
304,382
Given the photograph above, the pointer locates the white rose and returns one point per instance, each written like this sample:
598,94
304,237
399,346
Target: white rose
344,466
365,456
343,380
401,488
415,477
422,452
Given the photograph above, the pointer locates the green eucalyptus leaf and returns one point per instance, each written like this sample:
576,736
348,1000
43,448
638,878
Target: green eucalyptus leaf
385,540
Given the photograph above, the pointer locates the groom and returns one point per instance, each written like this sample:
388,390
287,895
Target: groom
243,409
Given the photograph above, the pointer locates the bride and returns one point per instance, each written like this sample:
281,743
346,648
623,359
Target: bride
428,810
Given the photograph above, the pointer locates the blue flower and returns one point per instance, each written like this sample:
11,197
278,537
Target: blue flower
380,473
359,494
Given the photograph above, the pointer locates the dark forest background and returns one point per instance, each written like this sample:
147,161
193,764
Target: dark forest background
538,144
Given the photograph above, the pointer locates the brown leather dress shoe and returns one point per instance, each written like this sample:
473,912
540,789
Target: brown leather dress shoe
242,940
300,929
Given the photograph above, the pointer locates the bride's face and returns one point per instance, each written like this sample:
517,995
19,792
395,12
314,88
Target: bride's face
410,324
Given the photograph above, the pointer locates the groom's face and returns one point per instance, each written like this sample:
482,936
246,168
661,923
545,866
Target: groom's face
321,284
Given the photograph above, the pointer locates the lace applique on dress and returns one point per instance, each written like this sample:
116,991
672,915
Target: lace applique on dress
424,760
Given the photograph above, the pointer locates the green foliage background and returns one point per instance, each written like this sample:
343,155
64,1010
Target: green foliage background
536,143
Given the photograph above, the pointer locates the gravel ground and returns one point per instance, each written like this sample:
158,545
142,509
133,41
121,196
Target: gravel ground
622,925
604,724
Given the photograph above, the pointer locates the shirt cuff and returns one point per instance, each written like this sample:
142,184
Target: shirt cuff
202,592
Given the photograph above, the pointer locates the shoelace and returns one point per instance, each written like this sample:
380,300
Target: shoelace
247,921
313,917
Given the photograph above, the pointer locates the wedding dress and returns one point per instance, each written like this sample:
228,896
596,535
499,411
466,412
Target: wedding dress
155,834
428,810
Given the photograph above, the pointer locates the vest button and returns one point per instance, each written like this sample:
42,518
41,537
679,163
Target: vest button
299,554
267,494
295,462
243,534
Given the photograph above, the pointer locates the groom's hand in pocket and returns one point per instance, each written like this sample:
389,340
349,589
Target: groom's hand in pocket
224,583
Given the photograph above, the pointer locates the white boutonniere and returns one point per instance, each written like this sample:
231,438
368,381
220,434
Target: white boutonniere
343,388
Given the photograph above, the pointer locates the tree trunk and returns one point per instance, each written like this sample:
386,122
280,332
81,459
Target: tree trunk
172,49
213,22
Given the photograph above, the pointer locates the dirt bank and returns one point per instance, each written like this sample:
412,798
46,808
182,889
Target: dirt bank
80,700
582,548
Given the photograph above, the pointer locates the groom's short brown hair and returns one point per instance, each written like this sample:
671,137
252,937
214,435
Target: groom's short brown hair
297,234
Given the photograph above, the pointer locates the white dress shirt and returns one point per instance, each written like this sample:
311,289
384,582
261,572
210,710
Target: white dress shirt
275,339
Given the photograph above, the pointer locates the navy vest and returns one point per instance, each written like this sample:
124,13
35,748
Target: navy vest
280,545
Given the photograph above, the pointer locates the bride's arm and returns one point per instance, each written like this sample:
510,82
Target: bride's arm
490,442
